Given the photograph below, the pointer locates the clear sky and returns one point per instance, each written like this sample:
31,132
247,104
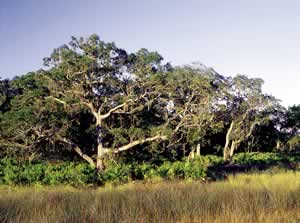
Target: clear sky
260,38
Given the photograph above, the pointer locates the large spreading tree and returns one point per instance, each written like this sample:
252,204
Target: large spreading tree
94,100
114,87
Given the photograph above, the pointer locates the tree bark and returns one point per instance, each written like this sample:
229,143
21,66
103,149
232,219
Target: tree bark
77,150
278,145
84,156
232,149
100,149
100,158
226,148
198,148
137,142
191,155
226,153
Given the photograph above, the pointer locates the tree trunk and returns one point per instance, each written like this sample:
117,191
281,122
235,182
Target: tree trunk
226,153
278,143
100,149
226,148
198,148
191,155
100,158
232,149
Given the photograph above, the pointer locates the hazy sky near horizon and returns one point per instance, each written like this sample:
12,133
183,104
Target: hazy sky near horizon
259,38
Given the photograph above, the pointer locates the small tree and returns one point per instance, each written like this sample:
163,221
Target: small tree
193,95
292,127
245,109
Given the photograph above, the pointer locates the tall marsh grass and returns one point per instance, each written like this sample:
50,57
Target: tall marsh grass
265,198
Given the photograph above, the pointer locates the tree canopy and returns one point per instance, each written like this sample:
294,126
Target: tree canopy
95,101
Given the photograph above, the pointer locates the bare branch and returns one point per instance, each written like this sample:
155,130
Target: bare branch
58,100
114,109
92,109
84,156
135,143
137,109
77,150
14,144
252,128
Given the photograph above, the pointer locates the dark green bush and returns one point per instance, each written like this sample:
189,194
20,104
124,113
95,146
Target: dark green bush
212,160
25,173
69,173
142,171
32,173
10,170
78,174
115,174
195,170
13,172
261,158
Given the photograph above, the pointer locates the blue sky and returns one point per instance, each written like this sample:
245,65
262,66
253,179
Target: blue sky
259,38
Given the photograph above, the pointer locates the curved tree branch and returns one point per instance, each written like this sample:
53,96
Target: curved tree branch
113,110
134,143
78,151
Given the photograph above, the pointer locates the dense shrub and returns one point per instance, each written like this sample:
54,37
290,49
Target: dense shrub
192,170
69,173
34,173
77,174
13,172
143,171
9,171
265,158
116,174
212,160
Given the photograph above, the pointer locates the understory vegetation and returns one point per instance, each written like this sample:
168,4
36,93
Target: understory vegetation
265,197
205,168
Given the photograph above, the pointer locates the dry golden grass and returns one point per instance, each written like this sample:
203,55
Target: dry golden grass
243,198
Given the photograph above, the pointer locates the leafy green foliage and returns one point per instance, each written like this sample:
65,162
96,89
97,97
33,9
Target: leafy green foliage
97,102
13,172
265,158
79,174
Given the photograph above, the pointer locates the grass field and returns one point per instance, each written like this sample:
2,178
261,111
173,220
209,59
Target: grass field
263,197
